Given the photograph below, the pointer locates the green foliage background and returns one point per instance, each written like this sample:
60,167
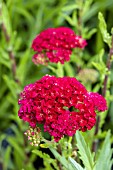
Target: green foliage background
23,20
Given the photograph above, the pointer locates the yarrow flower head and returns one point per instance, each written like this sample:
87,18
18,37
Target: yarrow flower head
62,105
55,45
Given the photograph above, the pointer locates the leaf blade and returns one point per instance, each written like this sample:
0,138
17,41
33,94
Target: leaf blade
104,160
84,151
75,164
103,28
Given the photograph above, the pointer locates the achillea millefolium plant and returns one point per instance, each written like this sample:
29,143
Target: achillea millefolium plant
56,85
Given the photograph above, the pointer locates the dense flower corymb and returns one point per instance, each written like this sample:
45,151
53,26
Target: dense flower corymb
55,45
62,105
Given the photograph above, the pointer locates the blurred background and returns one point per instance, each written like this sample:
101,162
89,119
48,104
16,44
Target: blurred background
20,22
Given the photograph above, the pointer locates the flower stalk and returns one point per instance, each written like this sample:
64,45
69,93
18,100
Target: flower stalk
104,89
10,51
108,66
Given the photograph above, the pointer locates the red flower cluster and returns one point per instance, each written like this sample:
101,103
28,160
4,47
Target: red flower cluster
56,44
62,105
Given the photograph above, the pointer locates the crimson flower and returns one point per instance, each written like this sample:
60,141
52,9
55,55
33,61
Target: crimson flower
55,45
62,105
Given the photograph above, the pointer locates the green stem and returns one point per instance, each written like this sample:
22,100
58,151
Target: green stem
108,66
60,70
10,52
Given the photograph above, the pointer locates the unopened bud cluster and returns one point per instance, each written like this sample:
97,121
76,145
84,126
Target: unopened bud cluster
88,75
34,135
